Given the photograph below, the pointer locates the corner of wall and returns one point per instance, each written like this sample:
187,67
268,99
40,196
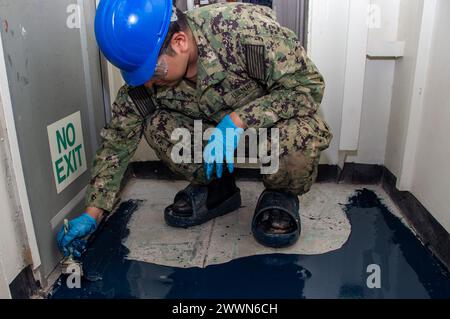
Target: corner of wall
13,240
409,26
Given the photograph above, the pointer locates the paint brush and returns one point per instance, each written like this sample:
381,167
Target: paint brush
69,265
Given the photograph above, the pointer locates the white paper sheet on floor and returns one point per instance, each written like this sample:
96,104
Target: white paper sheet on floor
325,226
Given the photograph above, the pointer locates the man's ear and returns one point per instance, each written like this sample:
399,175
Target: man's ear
180,42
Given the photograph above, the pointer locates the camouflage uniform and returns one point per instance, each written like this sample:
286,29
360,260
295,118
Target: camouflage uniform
248,64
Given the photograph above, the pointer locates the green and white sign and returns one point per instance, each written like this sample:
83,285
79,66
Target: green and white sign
67,150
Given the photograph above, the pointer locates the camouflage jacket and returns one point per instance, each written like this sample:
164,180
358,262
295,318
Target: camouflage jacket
247,63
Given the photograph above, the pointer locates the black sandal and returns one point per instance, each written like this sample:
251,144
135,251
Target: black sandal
197,196
276,222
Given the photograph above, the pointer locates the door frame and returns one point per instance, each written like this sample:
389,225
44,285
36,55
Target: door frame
16,160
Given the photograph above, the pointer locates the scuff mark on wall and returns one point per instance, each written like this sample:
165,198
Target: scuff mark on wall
5,26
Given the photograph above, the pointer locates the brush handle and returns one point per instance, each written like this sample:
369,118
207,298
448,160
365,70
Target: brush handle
66,230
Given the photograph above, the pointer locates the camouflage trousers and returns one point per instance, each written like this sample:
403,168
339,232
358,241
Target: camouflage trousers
301,142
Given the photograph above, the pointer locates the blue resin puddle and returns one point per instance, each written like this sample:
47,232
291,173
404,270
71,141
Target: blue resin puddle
408,270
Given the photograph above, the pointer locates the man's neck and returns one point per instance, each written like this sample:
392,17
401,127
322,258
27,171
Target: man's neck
191,73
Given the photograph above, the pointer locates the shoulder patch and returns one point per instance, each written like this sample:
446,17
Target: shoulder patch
143,101
256,65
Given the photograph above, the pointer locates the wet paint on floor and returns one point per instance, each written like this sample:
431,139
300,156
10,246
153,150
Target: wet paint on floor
407,268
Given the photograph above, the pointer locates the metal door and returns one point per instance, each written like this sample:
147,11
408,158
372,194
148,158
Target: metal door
293,14
54,73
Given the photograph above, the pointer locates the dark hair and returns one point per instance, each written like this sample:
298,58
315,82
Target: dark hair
177,26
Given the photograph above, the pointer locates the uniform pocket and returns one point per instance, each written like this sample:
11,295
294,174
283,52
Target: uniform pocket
243,95
322,131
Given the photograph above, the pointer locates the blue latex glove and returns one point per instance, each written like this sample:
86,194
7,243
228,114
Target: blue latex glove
72,242
222,145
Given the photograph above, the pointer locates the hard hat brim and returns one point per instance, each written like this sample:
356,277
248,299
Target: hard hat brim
145,72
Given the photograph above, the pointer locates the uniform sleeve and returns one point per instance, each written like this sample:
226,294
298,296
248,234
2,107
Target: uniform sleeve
121,138
294,84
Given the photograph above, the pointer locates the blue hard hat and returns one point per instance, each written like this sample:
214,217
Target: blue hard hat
130,33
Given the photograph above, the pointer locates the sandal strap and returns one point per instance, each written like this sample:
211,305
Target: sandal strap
197,195
283,201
